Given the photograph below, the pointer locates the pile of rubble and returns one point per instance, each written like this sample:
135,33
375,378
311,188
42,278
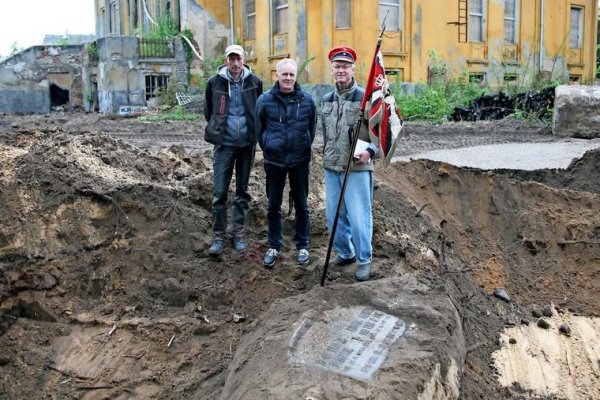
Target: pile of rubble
500,105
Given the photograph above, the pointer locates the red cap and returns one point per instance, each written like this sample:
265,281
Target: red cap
346,54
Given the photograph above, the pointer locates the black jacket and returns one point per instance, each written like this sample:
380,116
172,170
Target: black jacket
217,101
286,126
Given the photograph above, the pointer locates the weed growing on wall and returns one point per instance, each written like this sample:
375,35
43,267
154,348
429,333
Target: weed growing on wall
209,68
166,28
304,66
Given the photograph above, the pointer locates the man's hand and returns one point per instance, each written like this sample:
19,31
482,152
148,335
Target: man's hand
383,83
362,158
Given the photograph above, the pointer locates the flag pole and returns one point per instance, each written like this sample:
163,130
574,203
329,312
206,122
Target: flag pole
358,124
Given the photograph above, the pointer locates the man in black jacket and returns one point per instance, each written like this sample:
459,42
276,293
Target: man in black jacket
286,120
229,110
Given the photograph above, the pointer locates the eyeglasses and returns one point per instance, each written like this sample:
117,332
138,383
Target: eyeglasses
342,66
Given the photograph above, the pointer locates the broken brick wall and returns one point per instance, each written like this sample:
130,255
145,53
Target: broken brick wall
29,79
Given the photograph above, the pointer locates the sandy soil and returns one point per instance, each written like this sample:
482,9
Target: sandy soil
107,291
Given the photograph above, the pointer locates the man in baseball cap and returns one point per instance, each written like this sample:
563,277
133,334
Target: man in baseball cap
234,49
231,97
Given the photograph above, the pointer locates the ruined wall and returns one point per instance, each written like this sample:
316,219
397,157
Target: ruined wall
27,77
209,21
121,75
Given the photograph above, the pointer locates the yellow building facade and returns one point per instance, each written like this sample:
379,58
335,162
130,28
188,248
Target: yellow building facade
497,42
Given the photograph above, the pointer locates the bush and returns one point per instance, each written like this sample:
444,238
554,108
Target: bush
437,101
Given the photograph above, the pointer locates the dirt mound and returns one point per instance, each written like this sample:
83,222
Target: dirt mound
577,176
106,290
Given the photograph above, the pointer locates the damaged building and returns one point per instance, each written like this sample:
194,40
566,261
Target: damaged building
41,77
112,74
496,43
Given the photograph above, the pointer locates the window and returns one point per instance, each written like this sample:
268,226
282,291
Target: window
102,18
153,83
391,8
510,77
280,16
250,19
343,14
113,18
476,20
576,33
510,21
477,77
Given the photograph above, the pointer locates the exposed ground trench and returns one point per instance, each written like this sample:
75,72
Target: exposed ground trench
106,290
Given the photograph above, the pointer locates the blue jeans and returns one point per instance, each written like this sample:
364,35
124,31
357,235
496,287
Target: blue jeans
276,177
226,158
355,223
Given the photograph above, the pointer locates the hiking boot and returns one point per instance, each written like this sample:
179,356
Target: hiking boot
217,247
270,258
363,272
303,257
339,261
239,244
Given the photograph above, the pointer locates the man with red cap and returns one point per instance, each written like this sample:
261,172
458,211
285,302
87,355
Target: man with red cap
339,112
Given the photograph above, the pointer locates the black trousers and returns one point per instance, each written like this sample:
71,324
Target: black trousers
298,177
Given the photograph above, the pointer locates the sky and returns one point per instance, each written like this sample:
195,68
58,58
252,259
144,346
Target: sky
26,22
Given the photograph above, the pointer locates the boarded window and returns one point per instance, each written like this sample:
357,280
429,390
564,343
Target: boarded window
393,10
576,32
476,21
343,14
250,19
510,21
280,16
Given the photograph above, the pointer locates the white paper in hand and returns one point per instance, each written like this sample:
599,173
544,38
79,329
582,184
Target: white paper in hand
361,146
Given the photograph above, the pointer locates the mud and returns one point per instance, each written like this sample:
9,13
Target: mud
107,291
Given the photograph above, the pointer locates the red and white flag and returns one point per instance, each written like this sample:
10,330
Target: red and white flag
385,122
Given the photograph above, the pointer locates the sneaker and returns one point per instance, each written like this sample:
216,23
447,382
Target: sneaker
270,258
303,257
217,247
239,244
339,261
363,272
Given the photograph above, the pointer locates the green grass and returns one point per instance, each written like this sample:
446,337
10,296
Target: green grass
177,113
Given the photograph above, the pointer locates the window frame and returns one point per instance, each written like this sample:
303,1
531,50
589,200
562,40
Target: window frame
247,17
348,14
514,20
398,4
112,21
482,16
580,28
276,9
156,81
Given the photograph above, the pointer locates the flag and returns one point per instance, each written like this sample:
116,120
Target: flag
385,122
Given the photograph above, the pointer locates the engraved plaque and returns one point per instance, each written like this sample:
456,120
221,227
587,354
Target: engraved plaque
351,341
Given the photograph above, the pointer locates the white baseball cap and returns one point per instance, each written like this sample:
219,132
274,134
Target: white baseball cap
234,49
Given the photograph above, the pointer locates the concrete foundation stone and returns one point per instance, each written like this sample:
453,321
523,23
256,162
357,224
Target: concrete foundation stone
577,111
387,339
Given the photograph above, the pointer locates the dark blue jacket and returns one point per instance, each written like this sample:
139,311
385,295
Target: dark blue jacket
285,125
